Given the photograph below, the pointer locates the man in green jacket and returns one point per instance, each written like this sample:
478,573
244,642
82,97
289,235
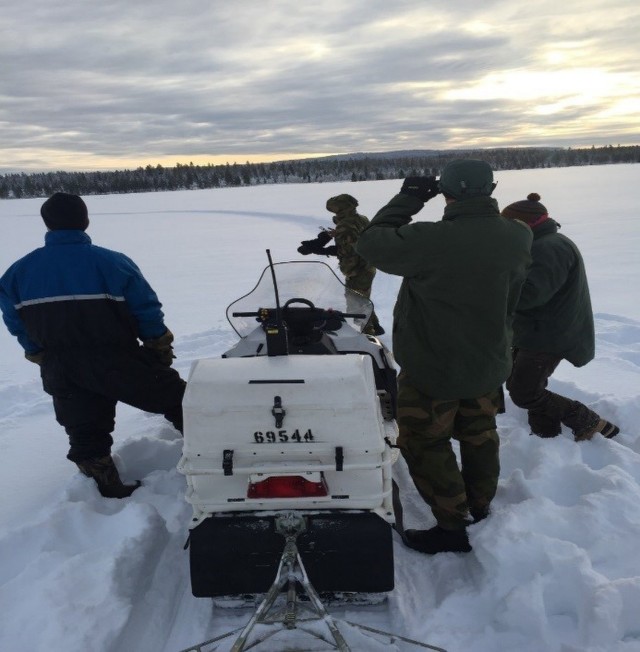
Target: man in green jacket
451,337
358,274
553,322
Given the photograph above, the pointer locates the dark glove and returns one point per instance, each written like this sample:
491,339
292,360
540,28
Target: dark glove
323,237
161,347
315,246
306,247
424,188
36,358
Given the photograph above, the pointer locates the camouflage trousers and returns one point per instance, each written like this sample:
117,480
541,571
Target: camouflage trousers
362,285
427,426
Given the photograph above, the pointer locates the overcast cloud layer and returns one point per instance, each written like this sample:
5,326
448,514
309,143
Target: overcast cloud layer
90,85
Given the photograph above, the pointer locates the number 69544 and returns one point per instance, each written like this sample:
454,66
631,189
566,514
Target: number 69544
282,436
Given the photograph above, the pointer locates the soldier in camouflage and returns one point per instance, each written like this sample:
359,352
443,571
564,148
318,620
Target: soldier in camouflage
452,334
357,272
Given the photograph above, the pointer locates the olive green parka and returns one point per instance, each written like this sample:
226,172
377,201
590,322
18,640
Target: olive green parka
554,314
452,330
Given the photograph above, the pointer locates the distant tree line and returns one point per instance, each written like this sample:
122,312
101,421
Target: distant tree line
356,167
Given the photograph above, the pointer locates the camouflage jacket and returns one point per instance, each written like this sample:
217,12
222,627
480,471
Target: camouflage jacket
554,314
349,225
452,330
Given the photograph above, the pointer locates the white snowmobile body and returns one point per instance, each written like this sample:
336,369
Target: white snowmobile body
298,416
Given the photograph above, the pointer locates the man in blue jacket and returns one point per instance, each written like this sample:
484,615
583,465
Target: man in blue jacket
81,312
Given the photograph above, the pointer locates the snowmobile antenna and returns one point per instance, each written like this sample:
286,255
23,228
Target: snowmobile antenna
276,330
275,284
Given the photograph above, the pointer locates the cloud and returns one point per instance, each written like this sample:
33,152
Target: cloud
98,85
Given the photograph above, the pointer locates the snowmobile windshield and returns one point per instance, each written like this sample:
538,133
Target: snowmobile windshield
311,281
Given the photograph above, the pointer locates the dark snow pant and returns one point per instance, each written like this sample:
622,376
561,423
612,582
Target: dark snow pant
427,426
86,386
547,411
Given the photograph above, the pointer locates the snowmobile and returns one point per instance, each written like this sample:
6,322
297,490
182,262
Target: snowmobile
288,452
297,420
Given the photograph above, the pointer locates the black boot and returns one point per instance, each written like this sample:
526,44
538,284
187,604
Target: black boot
105,473
479,513
437,540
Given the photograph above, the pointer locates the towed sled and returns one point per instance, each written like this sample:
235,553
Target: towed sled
288,458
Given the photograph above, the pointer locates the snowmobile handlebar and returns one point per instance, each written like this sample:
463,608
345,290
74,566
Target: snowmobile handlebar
325,314
306,310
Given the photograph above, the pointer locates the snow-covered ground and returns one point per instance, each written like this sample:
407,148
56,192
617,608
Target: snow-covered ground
555,568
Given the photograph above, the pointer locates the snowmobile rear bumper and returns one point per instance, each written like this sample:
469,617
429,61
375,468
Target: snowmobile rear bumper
235,554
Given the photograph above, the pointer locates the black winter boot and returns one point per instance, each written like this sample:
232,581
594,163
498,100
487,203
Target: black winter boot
105,473
479,513
437,540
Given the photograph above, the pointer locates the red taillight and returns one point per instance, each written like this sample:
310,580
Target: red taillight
288,486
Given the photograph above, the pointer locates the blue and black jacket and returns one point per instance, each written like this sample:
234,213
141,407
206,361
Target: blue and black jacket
72,294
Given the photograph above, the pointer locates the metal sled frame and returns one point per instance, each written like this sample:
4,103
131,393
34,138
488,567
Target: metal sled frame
291,572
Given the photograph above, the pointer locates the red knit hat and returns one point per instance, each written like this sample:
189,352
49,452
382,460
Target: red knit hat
529,210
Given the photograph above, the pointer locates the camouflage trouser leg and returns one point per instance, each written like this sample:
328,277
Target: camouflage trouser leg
362,285
426,427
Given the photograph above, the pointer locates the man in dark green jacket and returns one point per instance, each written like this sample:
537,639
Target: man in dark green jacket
451,338
553,322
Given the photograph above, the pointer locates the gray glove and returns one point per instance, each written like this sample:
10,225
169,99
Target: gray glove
36,358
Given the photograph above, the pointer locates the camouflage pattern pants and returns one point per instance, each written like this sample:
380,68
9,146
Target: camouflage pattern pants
362,285
427,426
546,410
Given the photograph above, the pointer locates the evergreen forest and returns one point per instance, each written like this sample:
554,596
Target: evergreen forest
347,167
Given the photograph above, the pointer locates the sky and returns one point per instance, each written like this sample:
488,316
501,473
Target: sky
114,85
554,568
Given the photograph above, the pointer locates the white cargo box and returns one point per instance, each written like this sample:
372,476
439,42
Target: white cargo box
314,416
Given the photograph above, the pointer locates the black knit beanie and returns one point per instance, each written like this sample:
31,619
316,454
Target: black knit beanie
529,210
65,211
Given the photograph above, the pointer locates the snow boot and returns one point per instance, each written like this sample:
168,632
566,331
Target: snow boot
605,428
105,473
478,513
437,540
